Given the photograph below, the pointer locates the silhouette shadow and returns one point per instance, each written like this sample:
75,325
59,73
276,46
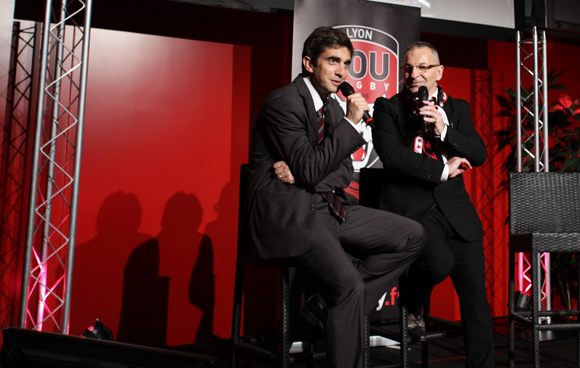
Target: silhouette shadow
169,282
98,264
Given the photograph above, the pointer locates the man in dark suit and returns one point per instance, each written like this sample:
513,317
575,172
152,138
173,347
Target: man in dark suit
425,147
299,165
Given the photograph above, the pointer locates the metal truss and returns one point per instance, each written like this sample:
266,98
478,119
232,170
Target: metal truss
13,162
532,138
54,183
532,118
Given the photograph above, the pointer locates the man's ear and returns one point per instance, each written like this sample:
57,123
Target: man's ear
307,62
439,73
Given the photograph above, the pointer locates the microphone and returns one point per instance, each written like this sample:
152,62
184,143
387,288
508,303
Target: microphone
347,90
423,96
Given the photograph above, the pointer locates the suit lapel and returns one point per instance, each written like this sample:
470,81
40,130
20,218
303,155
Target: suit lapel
447,109
304,92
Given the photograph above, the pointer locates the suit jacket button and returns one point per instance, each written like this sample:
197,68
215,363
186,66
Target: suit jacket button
312,208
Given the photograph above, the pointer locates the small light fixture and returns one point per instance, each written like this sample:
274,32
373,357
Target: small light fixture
98,331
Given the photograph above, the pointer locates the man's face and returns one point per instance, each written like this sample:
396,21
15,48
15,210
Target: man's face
330,70
414,77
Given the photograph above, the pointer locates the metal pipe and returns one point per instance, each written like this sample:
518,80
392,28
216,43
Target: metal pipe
548,287
77,164
519,104
545,101
536,106
34,176
50,169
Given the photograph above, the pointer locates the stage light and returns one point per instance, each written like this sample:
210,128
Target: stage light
98,331
522,301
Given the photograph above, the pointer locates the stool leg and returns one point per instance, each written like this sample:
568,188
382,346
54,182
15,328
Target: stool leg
425,344
536,289
284,320
237,312
404,344
425,354
367,346
511,309
577,320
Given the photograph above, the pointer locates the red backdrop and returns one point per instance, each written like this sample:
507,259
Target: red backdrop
166,128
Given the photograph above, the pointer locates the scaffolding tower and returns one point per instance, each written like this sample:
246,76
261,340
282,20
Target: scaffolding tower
15,137
56,159
532,137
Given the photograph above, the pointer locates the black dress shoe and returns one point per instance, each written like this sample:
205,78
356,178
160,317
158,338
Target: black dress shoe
416,327
314,311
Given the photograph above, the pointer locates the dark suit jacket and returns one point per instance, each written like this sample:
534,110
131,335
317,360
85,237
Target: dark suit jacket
280,217
413,183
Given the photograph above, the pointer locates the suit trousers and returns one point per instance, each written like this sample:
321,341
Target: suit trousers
390,244
447,254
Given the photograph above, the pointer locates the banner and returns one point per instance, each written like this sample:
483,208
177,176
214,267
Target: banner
380,34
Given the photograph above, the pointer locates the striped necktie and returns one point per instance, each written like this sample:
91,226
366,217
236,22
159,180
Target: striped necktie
320,115
333,200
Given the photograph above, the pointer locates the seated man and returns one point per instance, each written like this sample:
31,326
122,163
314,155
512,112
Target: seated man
425,147
299,165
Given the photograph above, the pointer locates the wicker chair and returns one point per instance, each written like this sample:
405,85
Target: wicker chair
544,217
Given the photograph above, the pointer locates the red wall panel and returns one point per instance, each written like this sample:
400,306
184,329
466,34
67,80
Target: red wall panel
166,128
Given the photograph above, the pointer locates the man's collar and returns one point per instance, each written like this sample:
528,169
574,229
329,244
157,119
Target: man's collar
315,96
434,94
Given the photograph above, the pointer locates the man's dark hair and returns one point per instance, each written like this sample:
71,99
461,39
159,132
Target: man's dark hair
420,44
323,38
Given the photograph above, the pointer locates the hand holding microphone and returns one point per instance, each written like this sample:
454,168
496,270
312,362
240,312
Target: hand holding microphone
423,96
347,90
433,119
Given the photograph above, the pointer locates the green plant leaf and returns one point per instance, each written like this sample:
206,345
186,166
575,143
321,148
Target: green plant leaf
563,154
505,113
571,164
552,77
504,103
510,92
557,86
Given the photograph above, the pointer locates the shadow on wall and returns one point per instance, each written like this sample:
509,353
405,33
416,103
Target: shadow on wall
98,265
169,281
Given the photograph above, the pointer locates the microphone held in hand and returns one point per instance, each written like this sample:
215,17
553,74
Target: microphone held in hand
347,90
423,96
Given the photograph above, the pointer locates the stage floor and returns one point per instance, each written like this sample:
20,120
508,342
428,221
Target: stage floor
558,352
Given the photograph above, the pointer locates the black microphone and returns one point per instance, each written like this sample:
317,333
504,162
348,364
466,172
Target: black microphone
423,96
347,90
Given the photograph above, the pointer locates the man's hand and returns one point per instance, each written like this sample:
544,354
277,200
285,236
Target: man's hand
457,166
356,104
433,117
283,173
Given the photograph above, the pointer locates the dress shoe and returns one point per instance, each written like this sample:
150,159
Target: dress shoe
416,327
314,311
